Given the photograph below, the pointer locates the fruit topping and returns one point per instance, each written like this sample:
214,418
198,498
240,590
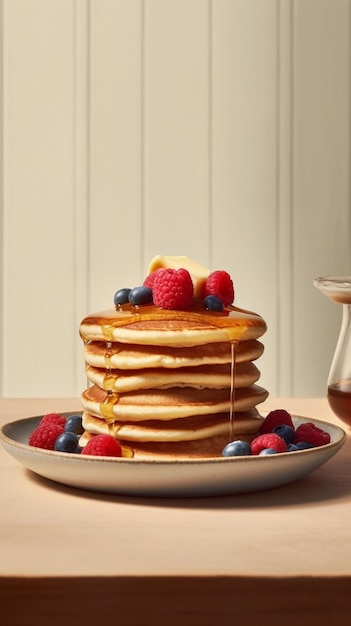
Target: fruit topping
150,279
268,440
45,435
220,284
173,289
311,434
102,445
140,295
121,296
212,303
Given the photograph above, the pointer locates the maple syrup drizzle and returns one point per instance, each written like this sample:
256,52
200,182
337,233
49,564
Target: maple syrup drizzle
108,378
233,349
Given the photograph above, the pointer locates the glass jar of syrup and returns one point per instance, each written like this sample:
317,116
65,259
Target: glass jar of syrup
338,289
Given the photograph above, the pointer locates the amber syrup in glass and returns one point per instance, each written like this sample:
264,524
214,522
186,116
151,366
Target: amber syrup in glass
339,398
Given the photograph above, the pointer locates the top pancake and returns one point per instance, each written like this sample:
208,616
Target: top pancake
149,325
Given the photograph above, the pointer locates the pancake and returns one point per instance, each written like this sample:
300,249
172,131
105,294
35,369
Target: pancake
130,356
198,427
200,377
148,325
167,404
208,448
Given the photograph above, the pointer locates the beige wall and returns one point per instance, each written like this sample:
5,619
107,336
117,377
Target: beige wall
219,129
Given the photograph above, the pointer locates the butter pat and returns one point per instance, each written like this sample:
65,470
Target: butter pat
198,272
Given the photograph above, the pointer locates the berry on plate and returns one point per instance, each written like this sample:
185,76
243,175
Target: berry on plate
275,418
74,425
285,432
237,448
67,442
45,435
102,445
268,440
312,434
53,418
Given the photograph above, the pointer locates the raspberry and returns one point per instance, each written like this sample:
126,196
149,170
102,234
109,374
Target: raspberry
45,436
268,440
53,418
310,433
275,418
220,284
173,289
149,280
102,445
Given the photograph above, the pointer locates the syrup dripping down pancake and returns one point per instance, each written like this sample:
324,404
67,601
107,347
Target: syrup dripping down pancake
115,355
148,325
167,404
200,377
189,429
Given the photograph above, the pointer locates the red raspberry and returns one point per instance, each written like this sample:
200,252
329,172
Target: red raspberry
173,289
150,279
102,445
276,418
268,440
44,436
220,284
311,433
53,418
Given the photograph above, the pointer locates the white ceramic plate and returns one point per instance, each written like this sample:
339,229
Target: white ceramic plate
184,478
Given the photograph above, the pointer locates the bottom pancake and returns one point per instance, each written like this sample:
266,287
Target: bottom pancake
210,447
199,437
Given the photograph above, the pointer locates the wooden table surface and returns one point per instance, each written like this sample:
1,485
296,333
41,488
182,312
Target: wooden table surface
68,556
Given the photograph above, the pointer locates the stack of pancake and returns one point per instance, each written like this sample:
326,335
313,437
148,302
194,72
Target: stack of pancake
172,384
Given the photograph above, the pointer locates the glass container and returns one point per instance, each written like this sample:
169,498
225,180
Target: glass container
338,289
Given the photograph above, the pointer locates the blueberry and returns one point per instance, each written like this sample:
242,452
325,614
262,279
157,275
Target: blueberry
140,295
237,448
212,303
292,447
267,451
67,442
121,296
74,425
304,445
285,432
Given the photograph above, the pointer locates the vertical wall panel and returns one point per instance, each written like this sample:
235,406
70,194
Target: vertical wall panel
244,157
176,128
321,180
39,324
115,165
